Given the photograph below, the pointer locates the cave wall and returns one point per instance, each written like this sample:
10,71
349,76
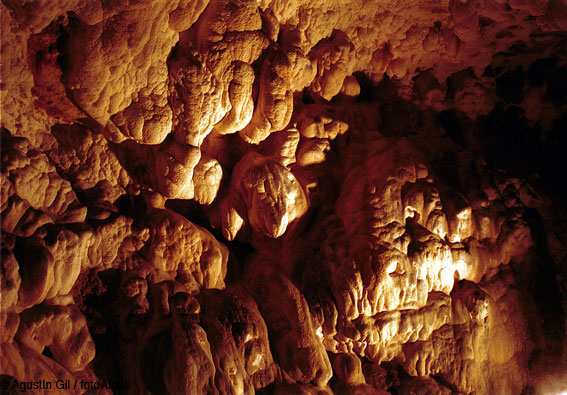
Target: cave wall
237,196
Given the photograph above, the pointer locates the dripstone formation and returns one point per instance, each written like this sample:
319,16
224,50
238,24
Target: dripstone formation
289,197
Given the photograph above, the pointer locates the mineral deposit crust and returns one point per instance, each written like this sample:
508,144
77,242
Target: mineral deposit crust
312,197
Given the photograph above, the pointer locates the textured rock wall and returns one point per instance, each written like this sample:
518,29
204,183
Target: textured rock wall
238,196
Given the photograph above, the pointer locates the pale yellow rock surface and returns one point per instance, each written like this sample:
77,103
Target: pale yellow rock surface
34,185
86,158
190,368
321,122
174,170
116,75
192,255
207,177
270,194
275,99
274,196
335,60
61,328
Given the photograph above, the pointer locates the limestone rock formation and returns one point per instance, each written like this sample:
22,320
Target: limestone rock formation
269,194
274,196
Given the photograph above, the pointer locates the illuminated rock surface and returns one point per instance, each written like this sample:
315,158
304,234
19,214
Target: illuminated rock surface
313,197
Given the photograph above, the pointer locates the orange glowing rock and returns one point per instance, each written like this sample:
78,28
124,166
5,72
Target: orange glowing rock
231,196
